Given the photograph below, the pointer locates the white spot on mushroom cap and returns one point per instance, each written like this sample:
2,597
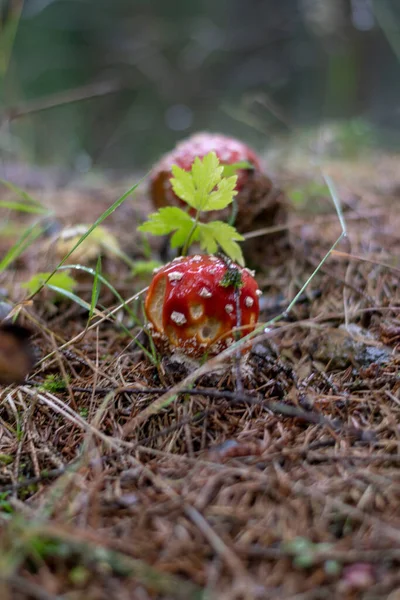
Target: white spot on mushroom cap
175,276
229,308
249,301
196,258
196,311
258,292
250,271
178,318
205,293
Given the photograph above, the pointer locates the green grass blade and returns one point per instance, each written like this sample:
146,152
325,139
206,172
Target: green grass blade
7,39
28,237
95,289
20,192
69,295
105,282
21,207
98,221
335,199
121,301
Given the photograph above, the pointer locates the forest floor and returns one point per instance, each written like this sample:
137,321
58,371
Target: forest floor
288,489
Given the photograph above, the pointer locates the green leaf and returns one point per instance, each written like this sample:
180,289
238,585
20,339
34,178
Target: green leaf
206,175
60,280
218,233
223,195
207,238
204,188
181,236
183,186
145,267
167,220
233,168
197,187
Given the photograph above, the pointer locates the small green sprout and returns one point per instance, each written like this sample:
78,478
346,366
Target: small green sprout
53,383
5,506
306,554
84,412
203,189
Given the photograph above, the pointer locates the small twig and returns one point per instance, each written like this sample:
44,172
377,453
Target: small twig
320,557
85,92
278,408
215,541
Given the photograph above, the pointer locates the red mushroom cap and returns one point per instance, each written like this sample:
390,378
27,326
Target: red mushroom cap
228,150
191,308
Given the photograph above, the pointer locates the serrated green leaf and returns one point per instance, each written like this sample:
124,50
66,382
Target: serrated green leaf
197,187
206,175
204,188
218,233
170,219
207,238
166,220
223,195
183,186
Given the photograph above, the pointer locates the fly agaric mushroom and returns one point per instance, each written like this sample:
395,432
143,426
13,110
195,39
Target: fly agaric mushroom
228,150
258,201
191,305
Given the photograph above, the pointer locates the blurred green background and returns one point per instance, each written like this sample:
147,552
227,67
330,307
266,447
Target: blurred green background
111,84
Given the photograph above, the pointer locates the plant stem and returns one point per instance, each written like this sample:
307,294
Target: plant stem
189,238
